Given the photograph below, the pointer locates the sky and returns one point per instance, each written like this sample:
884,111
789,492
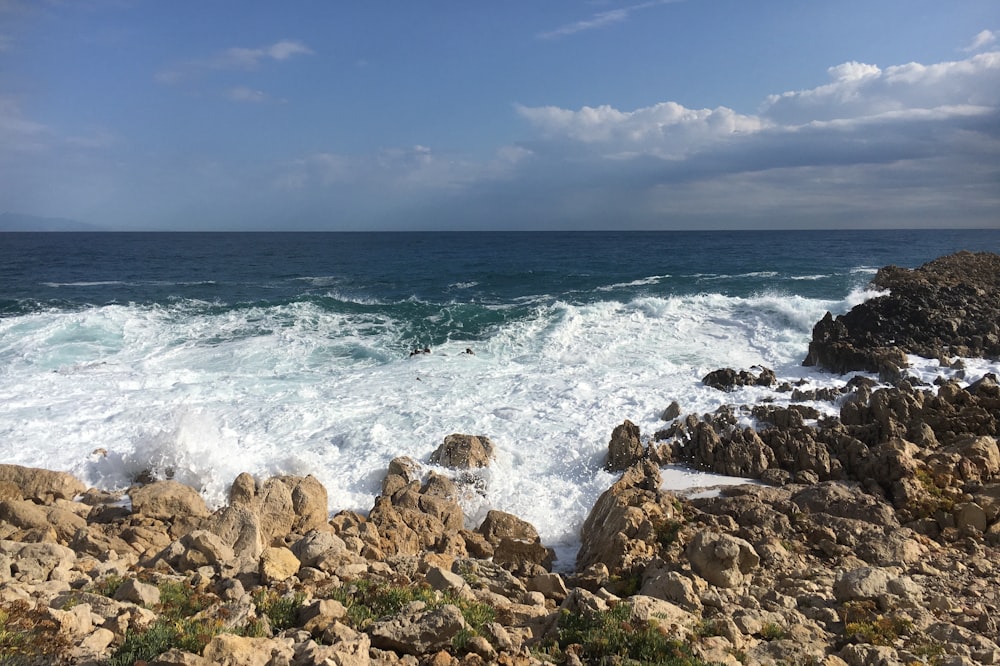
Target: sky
542,114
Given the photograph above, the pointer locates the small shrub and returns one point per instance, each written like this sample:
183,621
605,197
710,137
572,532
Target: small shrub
281,611
610,637
772,631
107,586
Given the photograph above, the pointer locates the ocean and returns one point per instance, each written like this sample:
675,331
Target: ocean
200,356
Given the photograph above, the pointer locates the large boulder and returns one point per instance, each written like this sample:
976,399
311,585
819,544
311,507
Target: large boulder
622,528
41,485
464,452
170,501
419,632
721,559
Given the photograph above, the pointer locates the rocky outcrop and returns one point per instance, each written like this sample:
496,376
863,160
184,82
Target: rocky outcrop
464,452
947,307
40,485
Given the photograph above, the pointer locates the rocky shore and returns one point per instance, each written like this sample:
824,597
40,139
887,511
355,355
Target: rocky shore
871,537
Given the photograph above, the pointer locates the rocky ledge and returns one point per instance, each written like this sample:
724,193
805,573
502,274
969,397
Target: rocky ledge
947,307
871,537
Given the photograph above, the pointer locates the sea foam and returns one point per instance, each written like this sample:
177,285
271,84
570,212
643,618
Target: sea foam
201,393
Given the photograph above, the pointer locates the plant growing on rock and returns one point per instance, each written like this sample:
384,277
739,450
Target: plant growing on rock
281,610
611,637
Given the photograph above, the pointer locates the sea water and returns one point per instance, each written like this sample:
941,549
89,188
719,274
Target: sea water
200,356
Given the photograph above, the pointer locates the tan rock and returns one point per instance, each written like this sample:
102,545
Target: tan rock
721,559
621,529
499,524
168,501
41,484
625,448
418,633
232,650
278,564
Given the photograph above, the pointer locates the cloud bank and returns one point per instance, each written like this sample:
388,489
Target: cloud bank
904,145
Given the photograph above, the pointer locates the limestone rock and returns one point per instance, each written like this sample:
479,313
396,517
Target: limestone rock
168,501
41,485
863,583
621,529
464,452
138,592
721,559
277,564
232,650
419,632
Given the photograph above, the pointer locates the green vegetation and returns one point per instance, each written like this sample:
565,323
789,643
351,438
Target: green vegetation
175,627
367,601
772,631
863,623
281,610
611,637
107,586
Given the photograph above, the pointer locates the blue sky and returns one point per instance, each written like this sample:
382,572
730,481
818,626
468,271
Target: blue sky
548,114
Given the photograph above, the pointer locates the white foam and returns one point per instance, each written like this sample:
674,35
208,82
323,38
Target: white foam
204,394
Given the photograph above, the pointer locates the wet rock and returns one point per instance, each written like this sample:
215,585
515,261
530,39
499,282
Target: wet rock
625,447
464,452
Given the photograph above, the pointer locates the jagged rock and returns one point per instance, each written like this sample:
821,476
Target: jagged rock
727,379
672,411
671,620
721,559
625,447
938,308
51,520
419,632
318,615
204,548
621,529
315,544
499,524
178,657
464,452
41,485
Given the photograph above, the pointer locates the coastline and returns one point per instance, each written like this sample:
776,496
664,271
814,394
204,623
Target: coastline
873,537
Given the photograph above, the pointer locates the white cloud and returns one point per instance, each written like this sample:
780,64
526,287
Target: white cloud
600,19
233,58
982,40
667,130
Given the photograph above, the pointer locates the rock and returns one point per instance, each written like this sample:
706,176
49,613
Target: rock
937,307
232,650
169,501
418,633
464,452
672,411
35,562
721,559
205,548
499,524
41,485
621,530
318,615
625,447
727,379
671,620
137,592
178,657
444,580
278,564
315,544
863,583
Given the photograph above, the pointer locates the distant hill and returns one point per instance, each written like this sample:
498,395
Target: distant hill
19,222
